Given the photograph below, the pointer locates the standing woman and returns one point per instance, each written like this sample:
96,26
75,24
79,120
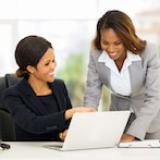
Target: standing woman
39,104
130,68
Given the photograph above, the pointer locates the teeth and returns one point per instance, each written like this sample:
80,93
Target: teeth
112,54
52,73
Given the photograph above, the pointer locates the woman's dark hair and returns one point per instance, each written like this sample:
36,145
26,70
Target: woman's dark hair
122,24
29,51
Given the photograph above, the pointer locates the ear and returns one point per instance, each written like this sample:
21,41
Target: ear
30,69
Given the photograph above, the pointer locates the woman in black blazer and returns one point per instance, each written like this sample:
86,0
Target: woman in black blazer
39,104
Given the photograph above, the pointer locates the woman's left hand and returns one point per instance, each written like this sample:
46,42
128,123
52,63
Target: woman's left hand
127,138
63,135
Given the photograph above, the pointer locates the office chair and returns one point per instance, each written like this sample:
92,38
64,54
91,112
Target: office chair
7,81
7,129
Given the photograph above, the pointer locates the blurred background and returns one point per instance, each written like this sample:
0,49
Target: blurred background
70,25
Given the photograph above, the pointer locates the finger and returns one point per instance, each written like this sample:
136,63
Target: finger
61,135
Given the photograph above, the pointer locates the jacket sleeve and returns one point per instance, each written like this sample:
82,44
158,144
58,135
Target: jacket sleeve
66,96
147,113
69,104
93,85
32,122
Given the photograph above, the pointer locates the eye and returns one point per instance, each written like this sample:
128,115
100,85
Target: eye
46,64
54,61
104,43
118,43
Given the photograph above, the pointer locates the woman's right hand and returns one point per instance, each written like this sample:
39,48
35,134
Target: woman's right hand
69,113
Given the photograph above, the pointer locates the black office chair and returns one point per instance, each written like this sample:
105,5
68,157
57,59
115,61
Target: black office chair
7,81
7,129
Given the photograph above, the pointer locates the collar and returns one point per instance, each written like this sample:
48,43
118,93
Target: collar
131,57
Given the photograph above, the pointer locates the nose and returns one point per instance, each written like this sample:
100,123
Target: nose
53,65
110,48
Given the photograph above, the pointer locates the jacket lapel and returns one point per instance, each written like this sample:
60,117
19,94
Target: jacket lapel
30,98
136,71
137,74
56,90
105,74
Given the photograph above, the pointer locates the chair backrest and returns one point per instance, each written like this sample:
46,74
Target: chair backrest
7,129
7,81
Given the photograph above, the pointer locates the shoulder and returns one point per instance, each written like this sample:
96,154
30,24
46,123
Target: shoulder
150,50
95,53
10,93
58,86
58,83
21,87
150,46
12,90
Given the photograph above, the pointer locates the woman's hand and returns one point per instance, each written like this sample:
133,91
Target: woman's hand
69,113
63,135
127,138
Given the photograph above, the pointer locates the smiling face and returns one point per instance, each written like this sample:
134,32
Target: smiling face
45,69
112,44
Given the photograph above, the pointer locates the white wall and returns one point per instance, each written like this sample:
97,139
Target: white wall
68,24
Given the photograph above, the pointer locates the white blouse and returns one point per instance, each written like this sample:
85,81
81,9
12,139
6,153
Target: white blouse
120,80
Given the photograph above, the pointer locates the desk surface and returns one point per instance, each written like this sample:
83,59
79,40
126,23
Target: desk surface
36,151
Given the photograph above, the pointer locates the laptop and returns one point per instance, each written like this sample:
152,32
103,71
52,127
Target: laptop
94,130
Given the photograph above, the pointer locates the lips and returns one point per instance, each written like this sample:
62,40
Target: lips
112,54
52,73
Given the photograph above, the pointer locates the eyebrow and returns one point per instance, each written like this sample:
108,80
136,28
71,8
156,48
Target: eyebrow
48,59
112,42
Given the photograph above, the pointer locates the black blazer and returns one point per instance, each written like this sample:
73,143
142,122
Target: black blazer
32,121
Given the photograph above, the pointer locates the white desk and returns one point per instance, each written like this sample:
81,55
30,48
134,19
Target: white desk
36,151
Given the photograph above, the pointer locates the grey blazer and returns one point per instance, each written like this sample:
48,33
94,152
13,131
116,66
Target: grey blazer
145,85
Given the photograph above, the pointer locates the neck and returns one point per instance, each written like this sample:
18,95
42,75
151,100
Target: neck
119,62
40,87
